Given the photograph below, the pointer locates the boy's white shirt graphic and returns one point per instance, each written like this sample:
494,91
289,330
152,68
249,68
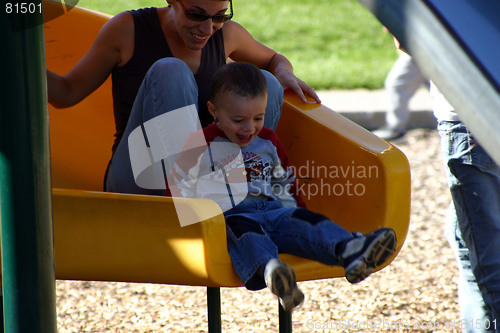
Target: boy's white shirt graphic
221,173
254,173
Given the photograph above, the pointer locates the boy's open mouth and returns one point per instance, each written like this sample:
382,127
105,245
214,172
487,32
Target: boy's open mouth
244,138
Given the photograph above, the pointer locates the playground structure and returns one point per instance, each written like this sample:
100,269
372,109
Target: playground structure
135,238
458,57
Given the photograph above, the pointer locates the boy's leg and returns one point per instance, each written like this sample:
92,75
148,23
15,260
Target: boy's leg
250,248
282,281
255,259
309,235
169,85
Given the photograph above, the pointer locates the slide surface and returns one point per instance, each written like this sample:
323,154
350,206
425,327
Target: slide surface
344,171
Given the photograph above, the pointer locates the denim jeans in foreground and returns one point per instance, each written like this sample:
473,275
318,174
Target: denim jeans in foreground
472,307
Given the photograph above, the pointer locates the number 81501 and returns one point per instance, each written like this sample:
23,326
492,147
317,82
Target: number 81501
23,8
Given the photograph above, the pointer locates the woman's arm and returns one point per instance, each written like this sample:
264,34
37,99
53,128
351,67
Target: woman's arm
241,46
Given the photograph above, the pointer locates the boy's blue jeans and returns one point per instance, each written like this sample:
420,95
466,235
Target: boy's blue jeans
169,85
474,181
258,231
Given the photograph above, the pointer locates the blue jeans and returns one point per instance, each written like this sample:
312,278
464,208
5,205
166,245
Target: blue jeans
474,181
258,231
472,307
170,85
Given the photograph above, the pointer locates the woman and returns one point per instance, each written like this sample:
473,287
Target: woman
142,49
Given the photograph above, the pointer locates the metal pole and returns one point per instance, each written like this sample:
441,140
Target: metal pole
285,320
25,189
214,310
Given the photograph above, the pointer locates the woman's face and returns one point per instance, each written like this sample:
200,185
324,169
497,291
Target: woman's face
195,34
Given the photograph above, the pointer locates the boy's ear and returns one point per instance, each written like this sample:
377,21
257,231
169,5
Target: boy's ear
212,109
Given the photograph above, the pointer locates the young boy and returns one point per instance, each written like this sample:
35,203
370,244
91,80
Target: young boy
244,168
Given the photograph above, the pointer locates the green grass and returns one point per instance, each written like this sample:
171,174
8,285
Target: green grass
331,43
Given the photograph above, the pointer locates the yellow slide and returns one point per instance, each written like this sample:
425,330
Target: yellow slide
344,172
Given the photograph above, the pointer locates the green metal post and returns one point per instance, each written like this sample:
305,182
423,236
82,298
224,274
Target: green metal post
214,310
285,320
25,189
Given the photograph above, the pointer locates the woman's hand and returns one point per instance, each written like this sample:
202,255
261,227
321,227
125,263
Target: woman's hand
283,70
289,81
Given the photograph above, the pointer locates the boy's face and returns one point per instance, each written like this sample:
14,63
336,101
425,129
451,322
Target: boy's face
240,117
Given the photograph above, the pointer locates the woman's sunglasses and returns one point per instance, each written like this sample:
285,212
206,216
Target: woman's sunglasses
200,17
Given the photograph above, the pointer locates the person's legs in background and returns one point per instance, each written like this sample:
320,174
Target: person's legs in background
401,83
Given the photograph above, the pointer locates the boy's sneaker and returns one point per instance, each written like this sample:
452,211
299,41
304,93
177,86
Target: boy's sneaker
362,254
282,281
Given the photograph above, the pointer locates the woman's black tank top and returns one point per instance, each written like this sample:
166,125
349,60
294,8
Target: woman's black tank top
150,46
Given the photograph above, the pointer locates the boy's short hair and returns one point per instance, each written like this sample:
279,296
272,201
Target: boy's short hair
240,78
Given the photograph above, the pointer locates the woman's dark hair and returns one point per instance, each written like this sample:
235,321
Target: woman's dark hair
240,78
